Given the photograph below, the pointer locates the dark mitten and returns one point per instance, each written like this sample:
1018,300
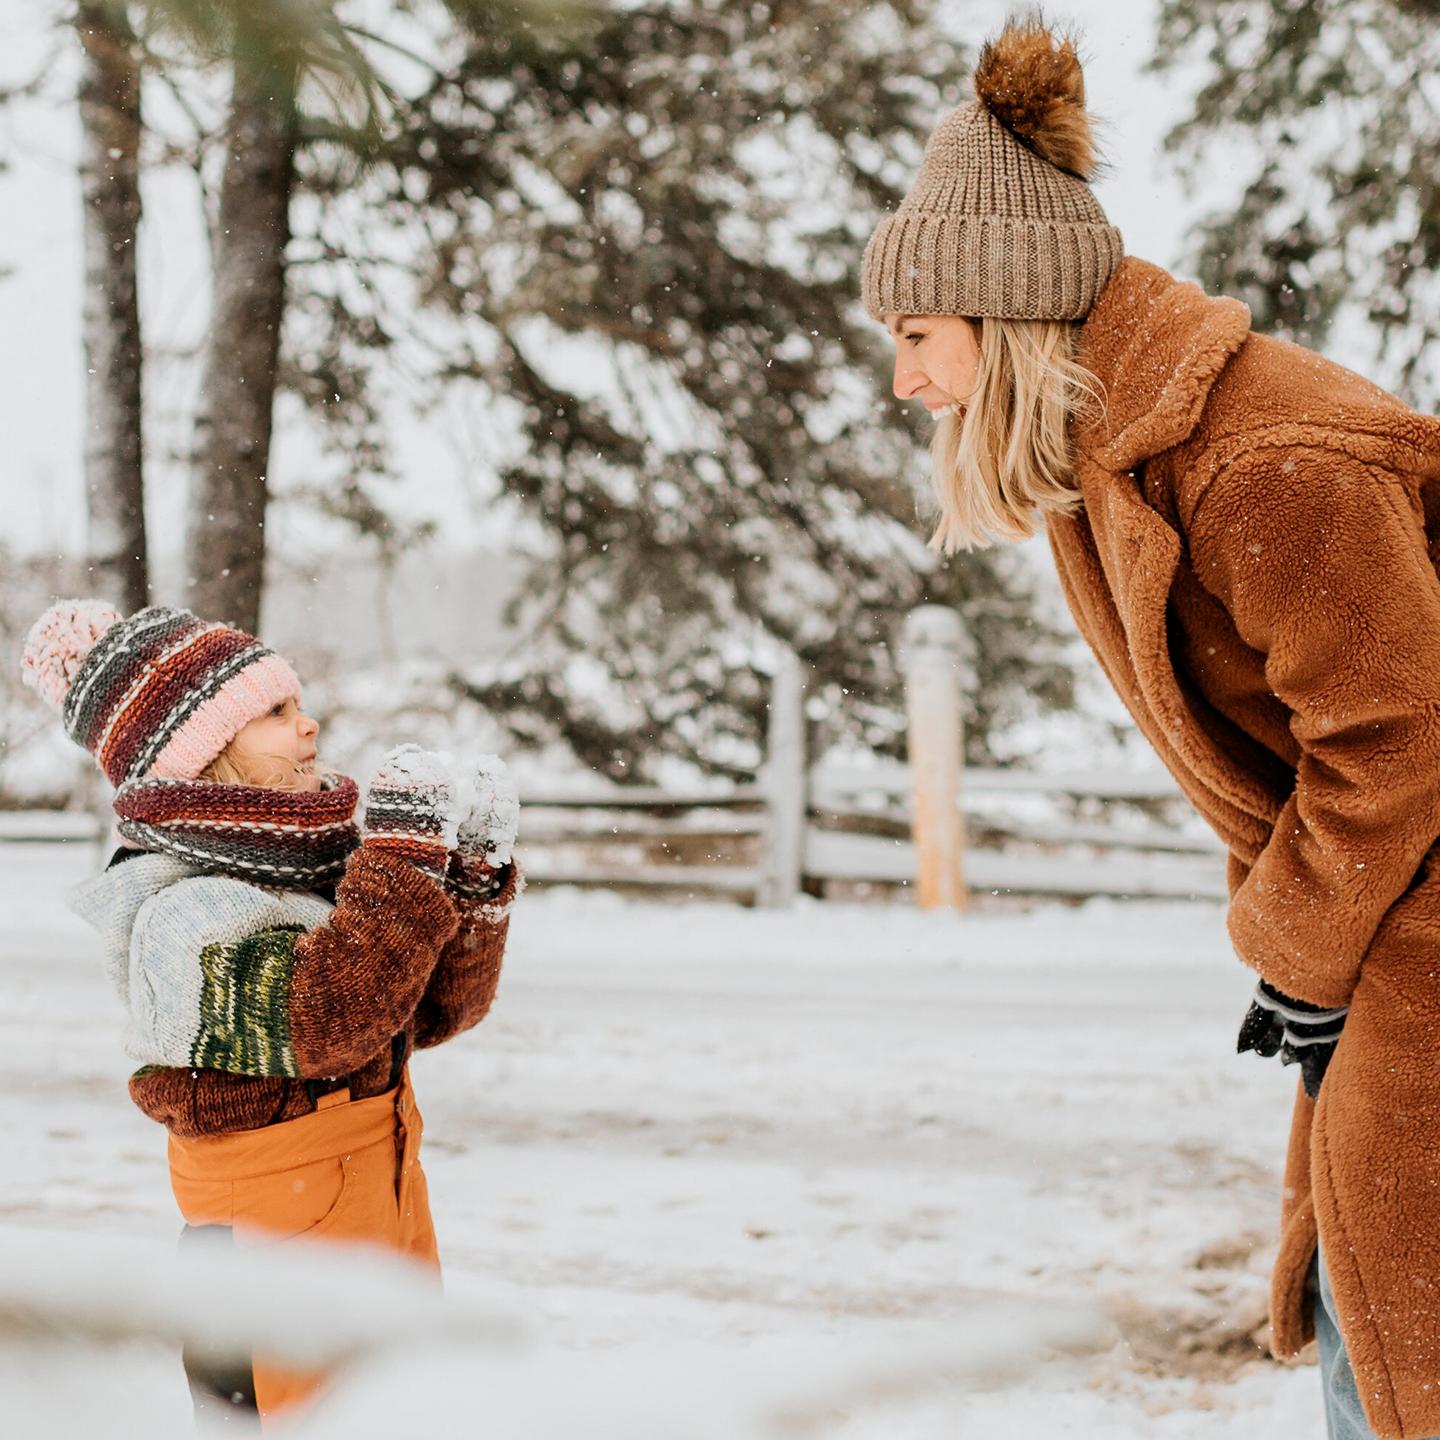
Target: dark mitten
1300,1033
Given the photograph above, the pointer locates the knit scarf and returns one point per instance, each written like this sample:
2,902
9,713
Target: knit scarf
290,838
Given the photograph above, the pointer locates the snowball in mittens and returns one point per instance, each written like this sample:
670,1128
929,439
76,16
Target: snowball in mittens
494,819
413,785
409,765
58,643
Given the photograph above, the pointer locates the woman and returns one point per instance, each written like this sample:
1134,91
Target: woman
1247,536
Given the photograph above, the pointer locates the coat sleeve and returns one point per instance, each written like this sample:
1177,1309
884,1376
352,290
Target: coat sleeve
1323,566
463,985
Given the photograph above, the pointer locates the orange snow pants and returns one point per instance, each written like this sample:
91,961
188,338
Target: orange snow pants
349,1172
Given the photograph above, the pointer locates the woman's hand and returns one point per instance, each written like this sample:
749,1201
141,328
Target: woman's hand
1300,1033
412,808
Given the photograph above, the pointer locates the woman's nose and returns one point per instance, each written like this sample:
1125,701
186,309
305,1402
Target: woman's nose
309,728
908,380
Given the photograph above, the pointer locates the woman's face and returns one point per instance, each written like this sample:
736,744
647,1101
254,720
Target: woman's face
937,358
278,748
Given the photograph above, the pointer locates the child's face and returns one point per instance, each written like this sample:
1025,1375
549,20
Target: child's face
278,749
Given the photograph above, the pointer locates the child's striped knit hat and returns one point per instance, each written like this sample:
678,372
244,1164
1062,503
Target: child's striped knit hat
162,693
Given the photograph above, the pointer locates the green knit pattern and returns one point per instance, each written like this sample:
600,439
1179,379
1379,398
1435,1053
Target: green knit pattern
245,1005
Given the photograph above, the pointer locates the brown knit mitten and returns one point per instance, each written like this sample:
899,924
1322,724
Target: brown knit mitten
485,840
412,808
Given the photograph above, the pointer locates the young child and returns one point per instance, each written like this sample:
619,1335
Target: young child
278,963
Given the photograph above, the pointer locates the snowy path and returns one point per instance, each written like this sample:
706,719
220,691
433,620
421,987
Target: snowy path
736,1127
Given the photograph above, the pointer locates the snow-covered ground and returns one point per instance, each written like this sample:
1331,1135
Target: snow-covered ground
753,1135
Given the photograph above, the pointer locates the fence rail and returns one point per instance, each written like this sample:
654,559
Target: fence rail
855,838
943,832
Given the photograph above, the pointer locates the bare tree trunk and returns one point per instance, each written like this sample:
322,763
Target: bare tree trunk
225,542
110,181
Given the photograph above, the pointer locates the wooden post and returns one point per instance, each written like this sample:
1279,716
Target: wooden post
786,783
931,654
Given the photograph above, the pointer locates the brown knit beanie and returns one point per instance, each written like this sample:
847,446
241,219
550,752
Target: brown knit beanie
1001,220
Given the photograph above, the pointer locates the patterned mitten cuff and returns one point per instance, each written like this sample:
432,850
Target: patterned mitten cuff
488,825
411,809
1300,1033
474,879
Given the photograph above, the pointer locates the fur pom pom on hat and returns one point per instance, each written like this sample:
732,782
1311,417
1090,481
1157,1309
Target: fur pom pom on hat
1001,220
1032,83
162,693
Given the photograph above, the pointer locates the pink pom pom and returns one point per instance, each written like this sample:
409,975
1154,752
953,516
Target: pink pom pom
59,641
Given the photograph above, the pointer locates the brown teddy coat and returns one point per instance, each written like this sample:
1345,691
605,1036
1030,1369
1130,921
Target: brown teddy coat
1255,565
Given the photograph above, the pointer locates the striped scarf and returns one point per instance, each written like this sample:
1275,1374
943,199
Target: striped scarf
291,838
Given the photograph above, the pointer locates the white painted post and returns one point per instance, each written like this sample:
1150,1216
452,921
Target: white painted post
786,783
932,651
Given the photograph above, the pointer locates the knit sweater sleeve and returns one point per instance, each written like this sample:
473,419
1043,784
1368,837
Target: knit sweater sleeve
228,976
1322,564
358,980
463,985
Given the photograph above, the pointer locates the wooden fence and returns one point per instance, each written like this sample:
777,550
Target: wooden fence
940,832
842,833
847,835
944,833
1092,835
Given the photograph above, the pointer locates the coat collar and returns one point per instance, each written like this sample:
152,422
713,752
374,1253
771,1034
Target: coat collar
1157,344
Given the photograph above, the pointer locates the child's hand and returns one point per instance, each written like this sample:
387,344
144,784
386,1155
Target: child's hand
489,825
486,839
412,807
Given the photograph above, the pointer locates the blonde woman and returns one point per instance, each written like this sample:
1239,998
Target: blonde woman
1247,535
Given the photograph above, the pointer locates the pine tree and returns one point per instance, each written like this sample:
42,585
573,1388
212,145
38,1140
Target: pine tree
636,240
647,243
1332,106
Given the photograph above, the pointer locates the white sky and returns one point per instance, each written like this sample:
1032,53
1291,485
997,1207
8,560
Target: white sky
41,360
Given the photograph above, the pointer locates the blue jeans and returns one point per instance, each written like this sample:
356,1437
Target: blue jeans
1344,1417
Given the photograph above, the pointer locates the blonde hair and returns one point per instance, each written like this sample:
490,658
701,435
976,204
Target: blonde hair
1010,458
229,767
224,769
